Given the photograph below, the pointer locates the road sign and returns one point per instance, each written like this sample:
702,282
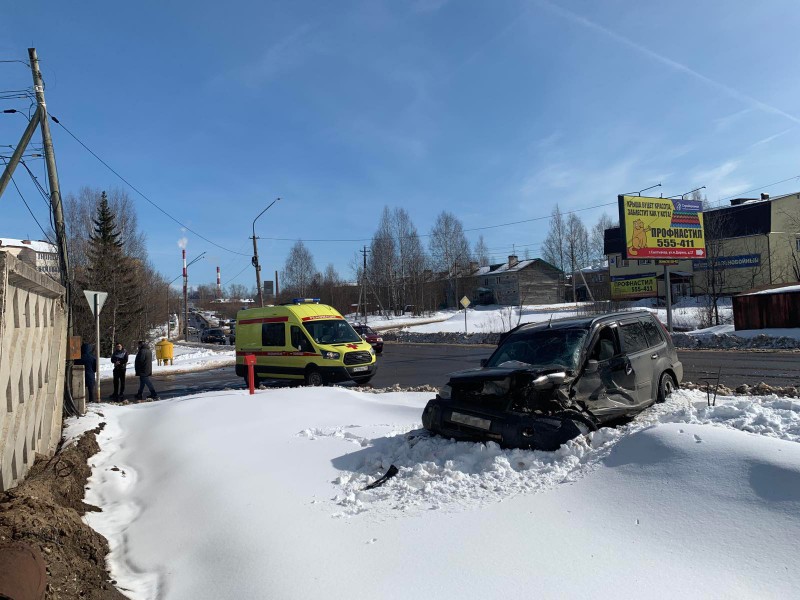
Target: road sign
465,302
100,297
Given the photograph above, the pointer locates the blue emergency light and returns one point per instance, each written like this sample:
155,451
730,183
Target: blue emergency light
306,300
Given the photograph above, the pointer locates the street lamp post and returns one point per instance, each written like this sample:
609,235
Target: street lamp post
256,265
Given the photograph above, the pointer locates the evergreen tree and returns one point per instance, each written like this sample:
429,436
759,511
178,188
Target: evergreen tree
110,270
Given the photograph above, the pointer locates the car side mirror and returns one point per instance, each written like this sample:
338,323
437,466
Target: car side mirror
484,362
591,366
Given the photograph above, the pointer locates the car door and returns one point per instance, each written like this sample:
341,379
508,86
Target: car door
608,388
636,348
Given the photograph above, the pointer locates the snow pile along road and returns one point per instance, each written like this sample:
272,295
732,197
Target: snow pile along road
686,500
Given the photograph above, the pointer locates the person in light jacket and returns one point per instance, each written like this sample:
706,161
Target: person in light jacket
143,365
120,361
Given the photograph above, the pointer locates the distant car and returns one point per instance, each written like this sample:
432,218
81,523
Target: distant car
214,336
370,336
547,383
191,329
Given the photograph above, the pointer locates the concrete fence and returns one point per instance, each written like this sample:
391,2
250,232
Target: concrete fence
33,330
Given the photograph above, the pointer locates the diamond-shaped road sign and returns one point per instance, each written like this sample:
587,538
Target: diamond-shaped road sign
465,302
90,298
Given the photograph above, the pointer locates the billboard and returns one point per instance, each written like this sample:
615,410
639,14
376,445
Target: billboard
631,287
662,228
740,261
269,289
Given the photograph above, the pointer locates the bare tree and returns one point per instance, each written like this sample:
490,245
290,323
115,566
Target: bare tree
554,247
576,247
449,249
481,252
597,237
299,272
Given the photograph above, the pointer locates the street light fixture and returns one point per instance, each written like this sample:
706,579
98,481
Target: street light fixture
255,256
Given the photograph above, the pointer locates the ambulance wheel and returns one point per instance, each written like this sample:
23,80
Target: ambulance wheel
314,377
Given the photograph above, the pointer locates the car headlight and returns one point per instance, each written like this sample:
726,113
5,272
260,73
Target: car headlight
445,392
379,339
497,388
371,351
331,355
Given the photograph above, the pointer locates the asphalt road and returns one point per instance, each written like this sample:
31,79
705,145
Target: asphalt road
417,364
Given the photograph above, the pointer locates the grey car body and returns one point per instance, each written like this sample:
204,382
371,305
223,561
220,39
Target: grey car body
547,383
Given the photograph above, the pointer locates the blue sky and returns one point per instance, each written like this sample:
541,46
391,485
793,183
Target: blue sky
495,111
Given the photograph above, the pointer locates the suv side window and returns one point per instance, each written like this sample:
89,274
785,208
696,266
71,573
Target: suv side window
300,341
605,346
273,334
653,332
633,337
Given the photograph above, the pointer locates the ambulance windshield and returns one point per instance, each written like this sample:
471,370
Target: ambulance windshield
331,332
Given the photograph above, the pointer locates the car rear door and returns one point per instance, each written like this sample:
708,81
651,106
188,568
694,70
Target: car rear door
636,349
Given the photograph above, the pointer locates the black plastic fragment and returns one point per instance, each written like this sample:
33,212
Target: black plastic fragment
379,482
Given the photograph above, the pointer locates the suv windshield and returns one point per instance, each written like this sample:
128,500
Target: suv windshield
215,332
331,332
541,348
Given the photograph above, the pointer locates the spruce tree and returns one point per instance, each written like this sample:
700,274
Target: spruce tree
110,270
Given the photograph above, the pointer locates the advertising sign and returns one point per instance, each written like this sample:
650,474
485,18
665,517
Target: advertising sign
662,228
740,261
629,287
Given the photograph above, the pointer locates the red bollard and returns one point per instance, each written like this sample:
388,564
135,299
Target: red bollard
250,361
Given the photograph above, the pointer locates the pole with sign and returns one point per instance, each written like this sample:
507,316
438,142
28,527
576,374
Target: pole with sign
465,303
662,229
96,301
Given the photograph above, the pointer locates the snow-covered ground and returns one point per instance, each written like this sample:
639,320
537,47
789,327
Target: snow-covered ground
186,358
379,322
227,495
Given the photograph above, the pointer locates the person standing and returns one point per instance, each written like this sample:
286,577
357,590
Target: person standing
89,362
120,361
143,365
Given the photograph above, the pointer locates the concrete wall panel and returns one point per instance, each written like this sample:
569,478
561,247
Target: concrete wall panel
33,331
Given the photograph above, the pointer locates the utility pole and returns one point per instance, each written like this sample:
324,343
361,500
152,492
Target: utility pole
364,251
52,177
255,256
8,173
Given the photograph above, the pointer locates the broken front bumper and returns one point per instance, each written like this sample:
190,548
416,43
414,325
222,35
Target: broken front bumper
510,430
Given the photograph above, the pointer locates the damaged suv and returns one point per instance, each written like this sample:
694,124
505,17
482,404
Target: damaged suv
550,382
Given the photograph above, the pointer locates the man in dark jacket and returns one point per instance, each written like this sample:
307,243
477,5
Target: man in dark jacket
89,362
143,364
120,361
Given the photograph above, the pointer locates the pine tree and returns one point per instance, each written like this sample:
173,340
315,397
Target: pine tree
110,270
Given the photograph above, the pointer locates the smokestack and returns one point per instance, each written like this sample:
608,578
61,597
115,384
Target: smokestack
512,261
219,285
184,264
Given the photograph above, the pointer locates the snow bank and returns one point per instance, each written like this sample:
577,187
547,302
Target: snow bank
187,358
686,500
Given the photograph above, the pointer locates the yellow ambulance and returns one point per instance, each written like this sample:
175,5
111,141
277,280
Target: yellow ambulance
302,340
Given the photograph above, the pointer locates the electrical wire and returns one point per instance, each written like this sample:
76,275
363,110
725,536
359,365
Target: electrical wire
135,189
44,233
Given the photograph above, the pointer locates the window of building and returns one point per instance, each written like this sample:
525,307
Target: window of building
797,242
273,334
486,281
645,262
625,263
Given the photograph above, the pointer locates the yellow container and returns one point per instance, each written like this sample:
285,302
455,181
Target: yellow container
164,351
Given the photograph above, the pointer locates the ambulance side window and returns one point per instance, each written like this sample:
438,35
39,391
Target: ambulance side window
300,341
273,334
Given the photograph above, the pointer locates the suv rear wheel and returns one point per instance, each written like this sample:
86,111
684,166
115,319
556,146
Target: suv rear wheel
666,385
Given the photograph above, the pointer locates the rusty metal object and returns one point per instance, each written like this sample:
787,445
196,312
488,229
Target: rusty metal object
23,575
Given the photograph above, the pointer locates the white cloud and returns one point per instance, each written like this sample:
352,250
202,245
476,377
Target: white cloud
767,140
724,123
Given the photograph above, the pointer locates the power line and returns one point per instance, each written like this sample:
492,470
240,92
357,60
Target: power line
44,233
135,189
